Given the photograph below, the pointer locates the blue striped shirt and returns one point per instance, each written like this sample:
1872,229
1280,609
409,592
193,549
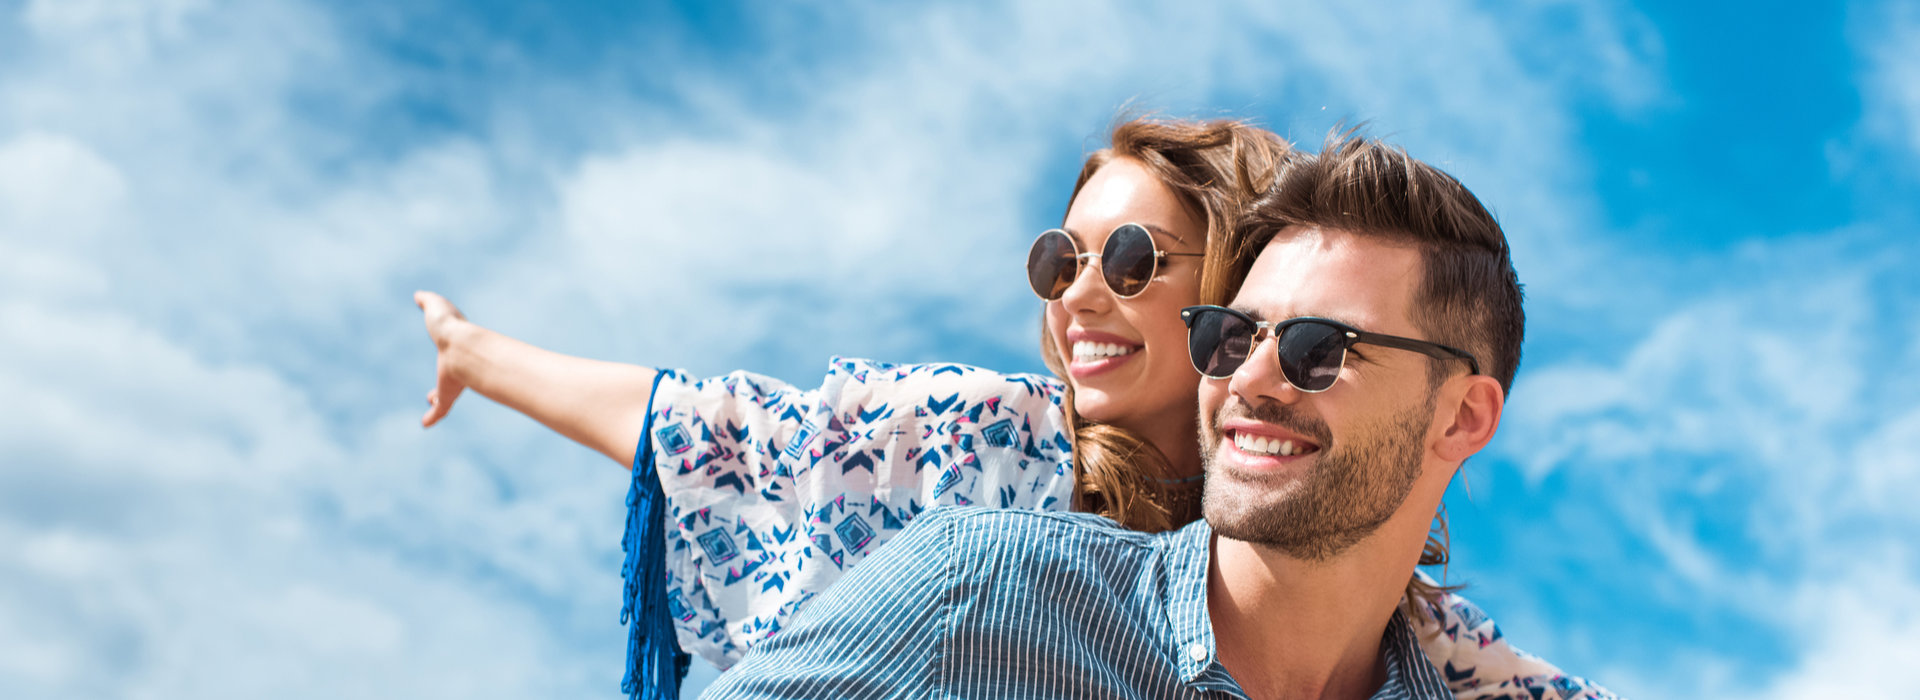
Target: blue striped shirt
980,603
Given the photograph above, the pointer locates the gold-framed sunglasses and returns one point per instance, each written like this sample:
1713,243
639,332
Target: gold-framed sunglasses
1128,262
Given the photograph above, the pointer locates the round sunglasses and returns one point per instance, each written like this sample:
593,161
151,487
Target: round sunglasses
1128,262
1312,350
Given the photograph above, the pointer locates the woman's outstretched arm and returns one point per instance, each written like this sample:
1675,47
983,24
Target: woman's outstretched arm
598,404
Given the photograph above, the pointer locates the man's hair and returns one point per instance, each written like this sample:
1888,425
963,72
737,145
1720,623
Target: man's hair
1468,297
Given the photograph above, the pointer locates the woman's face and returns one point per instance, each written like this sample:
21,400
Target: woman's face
1127,358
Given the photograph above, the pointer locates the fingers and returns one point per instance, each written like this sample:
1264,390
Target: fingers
439,401
434,411
429,301
436,307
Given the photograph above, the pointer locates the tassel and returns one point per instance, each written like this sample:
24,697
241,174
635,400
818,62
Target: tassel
655,664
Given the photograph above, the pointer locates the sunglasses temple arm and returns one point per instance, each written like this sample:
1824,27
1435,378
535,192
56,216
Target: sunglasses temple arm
1420,346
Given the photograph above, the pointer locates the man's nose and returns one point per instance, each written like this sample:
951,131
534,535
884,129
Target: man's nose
1260,379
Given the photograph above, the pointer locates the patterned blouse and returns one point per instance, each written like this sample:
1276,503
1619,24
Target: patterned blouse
771,493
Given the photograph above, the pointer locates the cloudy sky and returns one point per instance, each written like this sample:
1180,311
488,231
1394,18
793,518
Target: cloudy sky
213,483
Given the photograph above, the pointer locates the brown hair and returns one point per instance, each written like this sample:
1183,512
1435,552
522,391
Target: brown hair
1215,169
1469,296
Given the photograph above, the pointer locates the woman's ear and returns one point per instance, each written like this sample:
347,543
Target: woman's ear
1468,411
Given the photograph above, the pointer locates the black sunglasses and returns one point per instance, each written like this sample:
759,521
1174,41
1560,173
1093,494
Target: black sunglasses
1127,263
1311,350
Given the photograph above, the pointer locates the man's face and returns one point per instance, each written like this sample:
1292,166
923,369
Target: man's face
1356,449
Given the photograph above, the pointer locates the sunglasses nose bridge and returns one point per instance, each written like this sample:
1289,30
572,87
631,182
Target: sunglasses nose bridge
1077,285
1261,376
1082,264
1262,332
1082,261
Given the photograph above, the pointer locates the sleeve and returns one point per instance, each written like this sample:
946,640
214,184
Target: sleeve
774,492
877,634
1479,663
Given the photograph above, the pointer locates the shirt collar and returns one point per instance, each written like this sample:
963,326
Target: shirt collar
1409,673
1189,552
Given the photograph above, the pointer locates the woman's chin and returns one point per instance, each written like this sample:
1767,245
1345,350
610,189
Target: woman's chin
1096,405
1125,405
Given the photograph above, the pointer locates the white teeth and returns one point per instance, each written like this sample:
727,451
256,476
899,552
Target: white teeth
1085,351
1256,445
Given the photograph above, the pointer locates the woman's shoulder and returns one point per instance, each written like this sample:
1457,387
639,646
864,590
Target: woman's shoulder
935,378
875,399
854,371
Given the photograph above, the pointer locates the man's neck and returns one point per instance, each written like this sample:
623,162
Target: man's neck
1291,628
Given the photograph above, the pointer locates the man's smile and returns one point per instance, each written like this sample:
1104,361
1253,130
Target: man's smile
1262,446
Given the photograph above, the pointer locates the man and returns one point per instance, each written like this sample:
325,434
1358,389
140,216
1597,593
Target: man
1365,357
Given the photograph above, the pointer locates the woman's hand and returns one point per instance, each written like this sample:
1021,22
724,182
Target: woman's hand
443,322
601,405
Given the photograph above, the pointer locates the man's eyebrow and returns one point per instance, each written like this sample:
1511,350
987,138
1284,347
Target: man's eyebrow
1338,319
1257,316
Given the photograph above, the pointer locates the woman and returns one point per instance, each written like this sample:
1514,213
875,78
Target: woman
756,495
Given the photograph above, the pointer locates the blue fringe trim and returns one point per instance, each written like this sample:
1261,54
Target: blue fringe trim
655,664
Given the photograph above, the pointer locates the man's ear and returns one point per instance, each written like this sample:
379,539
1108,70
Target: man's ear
1467,412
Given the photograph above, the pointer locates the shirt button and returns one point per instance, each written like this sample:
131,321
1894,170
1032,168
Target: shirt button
1198,652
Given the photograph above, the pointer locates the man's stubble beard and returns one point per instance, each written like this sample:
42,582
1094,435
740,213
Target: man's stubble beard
1352,489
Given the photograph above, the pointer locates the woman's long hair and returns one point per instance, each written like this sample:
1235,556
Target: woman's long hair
1216,169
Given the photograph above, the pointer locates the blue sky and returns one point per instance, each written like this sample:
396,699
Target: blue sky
212,213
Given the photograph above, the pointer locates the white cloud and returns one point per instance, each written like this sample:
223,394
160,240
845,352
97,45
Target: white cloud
57,199
171,520
129,21
1862,632
272,612
1778,407
1887,465
1791,374
1889,38
52,187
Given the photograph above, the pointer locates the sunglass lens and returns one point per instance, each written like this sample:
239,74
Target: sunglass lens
1218,342
1128,261
1311,354
1051,264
